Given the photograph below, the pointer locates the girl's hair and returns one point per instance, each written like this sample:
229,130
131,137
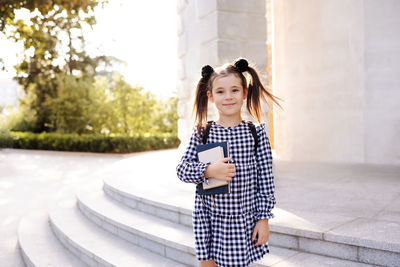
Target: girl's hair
256,91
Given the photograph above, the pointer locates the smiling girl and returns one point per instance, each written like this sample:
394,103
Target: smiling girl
231,229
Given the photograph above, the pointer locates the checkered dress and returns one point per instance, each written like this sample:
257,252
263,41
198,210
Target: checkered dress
223,224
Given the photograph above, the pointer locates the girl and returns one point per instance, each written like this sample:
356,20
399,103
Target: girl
231,229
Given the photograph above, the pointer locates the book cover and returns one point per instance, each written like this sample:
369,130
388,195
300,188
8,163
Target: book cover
211,153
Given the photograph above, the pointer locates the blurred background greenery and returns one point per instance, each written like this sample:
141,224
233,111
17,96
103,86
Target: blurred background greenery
64,89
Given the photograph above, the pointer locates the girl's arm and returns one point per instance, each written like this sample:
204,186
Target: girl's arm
189,169
265,178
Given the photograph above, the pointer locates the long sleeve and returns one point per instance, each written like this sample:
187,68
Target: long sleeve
265,178
189,169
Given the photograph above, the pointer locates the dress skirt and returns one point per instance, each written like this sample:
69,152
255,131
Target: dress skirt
226,239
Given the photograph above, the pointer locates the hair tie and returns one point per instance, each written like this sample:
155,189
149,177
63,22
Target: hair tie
241,64
206,71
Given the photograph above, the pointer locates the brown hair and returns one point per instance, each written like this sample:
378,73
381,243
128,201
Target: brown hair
256,91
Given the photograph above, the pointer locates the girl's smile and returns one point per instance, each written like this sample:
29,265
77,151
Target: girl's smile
229,105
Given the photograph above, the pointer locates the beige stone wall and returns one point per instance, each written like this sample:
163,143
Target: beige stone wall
382,81
215,32
336,64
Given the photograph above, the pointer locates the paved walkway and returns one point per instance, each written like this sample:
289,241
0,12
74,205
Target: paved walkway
361,201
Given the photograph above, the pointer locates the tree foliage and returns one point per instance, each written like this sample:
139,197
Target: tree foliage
8,7
63,91
105,106
53,45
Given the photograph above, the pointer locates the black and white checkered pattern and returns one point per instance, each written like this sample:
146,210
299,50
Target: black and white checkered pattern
223,231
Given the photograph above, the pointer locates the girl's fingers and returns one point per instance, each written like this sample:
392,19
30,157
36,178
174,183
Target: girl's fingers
226,159
261,240
231,168
231,172
253,237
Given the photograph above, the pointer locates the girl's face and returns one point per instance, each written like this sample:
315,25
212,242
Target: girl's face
228,95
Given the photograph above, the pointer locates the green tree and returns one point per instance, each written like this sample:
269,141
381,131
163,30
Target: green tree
68,112
8,7
165,117
105,106
101,111
62,91
53,43
133,107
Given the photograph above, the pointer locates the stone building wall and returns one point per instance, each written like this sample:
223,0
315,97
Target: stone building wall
337,64
215,32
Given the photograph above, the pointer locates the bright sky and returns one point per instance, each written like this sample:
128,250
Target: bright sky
141,33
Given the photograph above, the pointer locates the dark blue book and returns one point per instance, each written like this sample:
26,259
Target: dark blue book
211,153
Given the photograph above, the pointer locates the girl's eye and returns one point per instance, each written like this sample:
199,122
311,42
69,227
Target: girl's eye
235,90
219,92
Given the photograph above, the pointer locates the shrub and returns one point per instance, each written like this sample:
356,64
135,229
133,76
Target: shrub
88,142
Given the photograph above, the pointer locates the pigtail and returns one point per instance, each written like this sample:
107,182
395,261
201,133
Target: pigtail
256,91
201,99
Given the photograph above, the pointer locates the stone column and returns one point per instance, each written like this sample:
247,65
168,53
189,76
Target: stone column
215,32
336,64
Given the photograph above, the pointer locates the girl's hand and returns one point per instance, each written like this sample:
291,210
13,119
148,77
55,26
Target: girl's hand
261,231
221,170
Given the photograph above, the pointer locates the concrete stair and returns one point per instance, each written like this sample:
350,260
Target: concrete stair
63,236
95,246
121,223
351,250
36,238
96,229
168,239
156,227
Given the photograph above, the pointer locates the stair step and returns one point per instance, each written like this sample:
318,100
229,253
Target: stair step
97,247
36,239
156,234
172,203
137,225
168,204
